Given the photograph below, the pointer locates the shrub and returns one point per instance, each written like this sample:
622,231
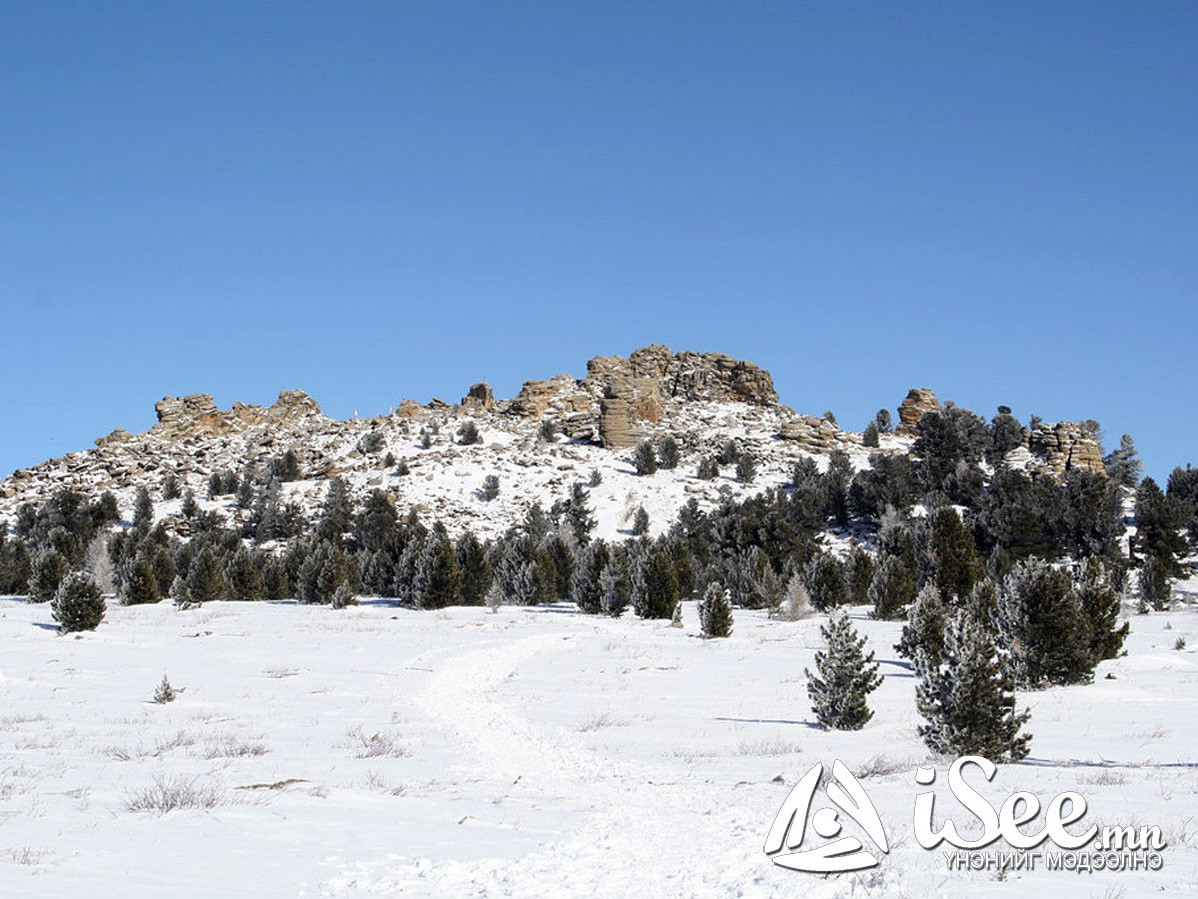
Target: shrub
78,605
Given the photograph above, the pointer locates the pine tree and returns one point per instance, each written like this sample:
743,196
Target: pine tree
615,584
579,515
845,676
143,511
768,588
968,701
49,569
893,589
922,640
954,556
667,452
1102,606
180,594
490,488
547,432
337,512
343,596
825,582
1041,619
869,437
477,574
796,603
78,605
245,492
640,522
586,588
746,469
170,487
715,611
438,579
469,434
655,585
165,692
883,421
494,597
709,469
142,585
1123,465
205,579
244,576
16,567
644,458
859,570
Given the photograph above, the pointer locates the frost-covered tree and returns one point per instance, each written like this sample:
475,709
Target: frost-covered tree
468,434
640,522
796,603
170,487
1123,465
585,588
882,421
1102,605
715,611
477,573
893,589
709,469
438,580
654,584
579,515
143,511
845,676
615,584
78,605
1041,620
968,700
922,639
180,594
644,458
490,488
667,452
48,570
746,468
825,581
336,515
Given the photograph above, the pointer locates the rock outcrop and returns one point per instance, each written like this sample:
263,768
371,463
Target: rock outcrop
918,403
189,416
1066,446
685,376
816,435
479,398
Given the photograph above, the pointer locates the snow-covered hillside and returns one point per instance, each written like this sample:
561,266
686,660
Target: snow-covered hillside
533,752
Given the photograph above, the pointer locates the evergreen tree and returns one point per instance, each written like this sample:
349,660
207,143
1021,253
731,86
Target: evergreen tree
579,515
276,586
922,640
667,452
49,570
746,468
180,594
536,523
968,700
1006,433
1102,606
165,692
343,596
709,469
143,511
244,576
337,512
477,574
1040,618
768,588
615,584
438,578
16,567
547,433
205,579
190,508
1123,465
644,457
490,487
78,604
469,434
1159,540
825,581
845,676
869,437
245,492
893,589
142,586
286,467
170,487
562,560
938,448
585,588
655,585
882,421
859,574
640,522
954,556
715,611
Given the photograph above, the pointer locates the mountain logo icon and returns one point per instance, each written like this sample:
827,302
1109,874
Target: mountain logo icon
840,855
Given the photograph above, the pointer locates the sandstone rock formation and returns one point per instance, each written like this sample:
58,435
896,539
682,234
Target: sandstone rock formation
480,397
918,403
686,375
816,435
196,414
1066,446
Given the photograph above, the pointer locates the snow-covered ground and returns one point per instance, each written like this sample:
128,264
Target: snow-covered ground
533,752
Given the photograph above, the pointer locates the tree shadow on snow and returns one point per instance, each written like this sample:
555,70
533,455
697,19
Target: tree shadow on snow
811,724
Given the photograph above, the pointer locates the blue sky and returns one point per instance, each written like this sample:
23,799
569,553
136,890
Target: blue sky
374,201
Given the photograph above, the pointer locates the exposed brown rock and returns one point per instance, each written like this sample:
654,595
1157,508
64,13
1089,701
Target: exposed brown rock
686,375
1066,446
560,394
480,397
816,435
919,402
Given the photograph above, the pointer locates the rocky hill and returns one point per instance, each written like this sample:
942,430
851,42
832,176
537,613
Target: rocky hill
701,399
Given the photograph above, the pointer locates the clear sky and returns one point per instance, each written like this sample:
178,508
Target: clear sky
374,201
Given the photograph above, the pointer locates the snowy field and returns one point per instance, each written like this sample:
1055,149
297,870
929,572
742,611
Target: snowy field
378,751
